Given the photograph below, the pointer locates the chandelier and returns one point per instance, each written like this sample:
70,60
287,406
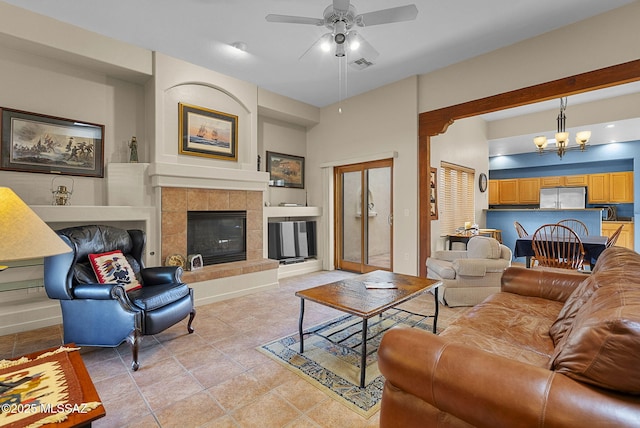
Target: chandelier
562,137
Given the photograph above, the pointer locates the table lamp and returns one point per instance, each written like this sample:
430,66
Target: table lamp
23,235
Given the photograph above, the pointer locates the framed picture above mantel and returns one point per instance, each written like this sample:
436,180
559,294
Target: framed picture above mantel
33,142
208,133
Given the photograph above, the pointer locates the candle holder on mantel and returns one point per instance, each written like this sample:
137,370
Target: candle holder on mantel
61,193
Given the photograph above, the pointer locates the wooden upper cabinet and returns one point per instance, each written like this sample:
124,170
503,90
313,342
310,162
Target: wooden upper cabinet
621,187
576,180
598,188
508,192
561,180
529,190
556,181
494,192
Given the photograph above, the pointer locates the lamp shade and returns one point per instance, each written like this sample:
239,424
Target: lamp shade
23,235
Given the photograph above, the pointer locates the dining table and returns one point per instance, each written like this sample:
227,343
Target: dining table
593,245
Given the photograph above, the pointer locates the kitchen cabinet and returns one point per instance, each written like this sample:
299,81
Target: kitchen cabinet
598,188
529,190
621,187
562,180
494,192
556,181
626,234
517,191
576,180
508,192
611,187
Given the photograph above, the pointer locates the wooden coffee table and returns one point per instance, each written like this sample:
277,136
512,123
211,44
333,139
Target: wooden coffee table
353,297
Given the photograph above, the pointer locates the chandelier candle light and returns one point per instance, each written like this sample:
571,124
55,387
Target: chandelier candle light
562,137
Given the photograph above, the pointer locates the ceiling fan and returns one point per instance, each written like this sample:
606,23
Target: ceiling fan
341,17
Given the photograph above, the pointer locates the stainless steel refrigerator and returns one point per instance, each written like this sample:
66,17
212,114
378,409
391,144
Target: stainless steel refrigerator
563,197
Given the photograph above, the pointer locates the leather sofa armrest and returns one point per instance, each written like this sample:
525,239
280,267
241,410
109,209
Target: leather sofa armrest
94,291
161,275
548,284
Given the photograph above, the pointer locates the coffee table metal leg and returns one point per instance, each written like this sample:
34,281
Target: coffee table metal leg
363,357
300,325
437,304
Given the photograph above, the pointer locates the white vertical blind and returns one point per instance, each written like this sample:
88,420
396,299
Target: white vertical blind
456,194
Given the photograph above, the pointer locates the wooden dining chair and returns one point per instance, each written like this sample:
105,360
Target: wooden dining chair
614,237
576,225
556,245
520,230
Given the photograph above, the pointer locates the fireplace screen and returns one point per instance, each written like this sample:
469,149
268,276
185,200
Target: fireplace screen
219,236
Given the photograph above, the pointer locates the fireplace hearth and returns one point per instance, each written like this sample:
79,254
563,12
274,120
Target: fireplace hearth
219,236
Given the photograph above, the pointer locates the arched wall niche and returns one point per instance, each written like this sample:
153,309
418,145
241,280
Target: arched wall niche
434,122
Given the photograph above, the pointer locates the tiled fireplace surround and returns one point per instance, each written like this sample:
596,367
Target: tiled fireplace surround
176,201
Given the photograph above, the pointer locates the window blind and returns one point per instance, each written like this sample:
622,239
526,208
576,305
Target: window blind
456,191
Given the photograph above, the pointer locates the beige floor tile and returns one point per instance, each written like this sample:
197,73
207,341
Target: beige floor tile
215,377
238,391
269,410
192,411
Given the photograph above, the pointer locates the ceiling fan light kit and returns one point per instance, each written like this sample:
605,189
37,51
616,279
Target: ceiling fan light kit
340,17
562,136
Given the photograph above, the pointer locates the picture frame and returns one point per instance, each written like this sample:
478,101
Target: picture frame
207,133
433,193
285,170
34,142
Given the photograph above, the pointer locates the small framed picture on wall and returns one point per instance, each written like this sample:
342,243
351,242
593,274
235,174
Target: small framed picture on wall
433,193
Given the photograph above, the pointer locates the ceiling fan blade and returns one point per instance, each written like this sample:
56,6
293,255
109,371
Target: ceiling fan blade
341,5
387,16
317,46
287,19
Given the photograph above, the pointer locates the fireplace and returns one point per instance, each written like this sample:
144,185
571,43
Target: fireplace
219,236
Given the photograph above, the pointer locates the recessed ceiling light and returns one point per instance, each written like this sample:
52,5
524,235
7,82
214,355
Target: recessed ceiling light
611,125
241,46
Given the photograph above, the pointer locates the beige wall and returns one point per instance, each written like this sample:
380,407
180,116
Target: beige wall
371,126
281,137
607,39
465,144
46,86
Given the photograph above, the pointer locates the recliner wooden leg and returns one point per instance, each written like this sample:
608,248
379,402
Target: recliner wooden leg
192,315
134,338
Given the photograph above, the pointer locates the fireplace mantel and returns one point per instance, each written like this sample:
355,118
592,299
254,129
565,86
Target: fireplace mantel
198,177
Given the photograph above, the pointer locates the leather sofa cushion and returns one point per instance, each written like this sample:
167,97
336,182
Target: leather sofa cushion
575,301
508,325
156,296
602,345
483,247
614,262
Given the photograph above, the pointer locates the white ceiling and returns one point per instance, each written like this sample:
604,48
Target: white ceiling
200,31
444,32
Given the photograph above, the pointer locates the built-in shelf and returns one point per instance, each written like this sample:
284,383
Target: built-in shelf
270,212
72,214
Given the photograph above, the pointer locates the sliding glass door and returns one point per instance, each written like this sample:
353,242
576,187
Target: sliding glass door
364,218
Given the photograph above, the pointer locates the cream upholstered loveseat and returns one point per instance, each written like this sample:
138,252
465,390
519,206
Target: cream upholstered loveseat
468,277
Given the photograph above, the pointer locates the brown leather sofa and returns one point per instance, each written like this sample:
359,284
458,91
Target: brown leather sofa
551,349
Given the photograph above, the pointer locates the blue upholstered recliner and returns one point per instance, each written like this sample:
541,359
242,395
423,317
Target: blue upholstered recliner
95,314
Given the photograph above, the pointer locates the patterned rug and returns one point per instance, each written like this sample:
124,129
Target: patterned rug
335,368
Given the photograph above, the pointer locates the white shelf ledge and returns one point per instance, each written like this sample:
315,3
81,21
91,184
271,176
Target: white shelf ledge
270,212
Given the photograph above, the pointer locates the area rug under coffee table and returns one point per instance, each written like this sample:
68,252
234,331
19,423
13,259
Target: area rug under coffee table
333,368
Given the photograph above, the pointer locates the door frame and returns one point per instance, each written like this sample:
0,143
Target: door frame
338,261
